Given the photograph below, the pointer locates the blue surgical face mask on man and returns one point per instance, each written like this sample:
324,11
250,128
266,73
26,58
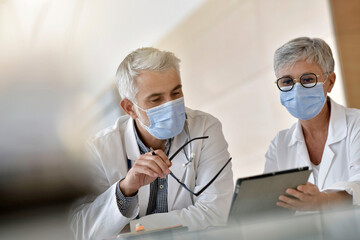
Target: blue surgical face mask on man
304,103
166,120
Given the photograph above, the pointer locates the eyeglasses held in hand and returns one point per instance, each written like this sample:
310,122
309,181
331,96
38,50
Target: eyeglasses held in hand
183,184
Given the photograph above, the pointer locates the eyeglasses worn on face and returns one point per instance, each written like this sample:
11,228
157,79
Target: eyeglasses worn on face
307,80
209,183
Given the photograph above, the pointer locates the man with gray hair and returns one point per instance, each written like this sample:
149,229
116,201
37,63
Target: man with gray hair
160,165
326,136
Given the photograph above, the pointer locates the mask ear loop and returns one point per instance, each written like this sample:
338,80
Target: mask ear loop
323,83
144,110
138,106
327,76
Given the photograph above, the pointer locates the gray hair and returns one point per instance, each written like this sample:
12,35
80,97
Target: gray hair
142,59
303,48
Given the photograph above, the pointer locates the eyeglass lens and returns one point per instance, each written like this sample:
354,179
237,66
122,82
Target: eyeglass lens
209,183
307,80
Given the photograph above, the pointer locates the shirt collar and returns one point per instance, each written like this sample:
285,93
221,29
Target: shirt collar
144,149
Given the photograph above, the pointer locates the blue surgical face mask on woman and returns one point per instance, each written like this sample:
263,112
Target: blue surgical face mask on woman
304,103
166,120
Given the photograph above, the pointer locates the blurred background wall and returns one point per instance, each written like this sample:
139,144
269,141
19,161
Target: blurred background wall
227,55
58,60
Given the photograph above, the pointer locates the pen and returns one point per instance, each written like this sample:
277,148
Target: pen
152,151
154,154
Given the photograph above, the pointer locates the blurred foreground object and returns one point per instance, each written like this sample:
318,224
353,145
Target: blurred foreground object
41,145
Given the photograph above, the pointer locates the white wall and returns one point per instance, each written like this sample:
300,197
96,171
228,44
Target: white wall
74,46
84,41
226,48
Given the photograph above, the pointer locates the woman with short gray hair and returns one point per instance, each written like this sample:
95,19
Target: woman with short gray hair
327,135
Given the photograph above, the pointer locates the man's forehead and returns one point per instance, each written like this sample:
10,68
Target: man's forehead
163,91
157,80
154,84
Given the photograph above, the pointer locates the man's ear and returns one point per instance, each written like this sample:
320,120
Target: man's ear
331,79
127,106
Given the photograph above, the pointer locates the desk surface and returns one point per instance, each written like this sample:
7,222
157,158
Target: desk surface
336,224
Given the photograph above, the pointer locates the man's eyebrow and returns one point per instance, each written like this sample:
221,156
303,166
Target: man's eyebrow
177,87
161,93
154,95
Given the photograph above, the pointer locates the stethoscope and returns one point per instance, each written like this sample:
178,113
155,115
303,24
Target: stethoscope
189,157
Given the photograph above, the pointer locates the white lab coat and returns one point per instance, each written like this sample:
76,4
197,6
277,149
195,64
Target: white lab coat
340,164
99,217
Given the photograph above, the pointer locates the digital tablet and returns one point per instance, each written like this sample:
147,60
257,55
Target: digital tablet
257,195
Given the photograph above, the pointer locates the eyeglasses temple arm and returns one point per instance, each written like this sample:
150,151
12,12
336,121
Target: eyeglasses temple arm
175,153
212,180
206,186
182,184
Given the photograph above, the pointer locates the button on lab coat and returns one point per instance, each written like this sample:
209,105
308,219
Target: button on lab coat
340,162
97,217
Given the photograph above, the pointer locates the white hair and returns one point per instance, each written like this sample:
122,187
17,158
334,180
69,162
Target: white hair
142,59
312,50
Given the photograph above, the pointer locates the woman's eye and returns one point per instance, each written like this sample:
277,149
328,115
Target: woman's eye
287,82
176,93
308,80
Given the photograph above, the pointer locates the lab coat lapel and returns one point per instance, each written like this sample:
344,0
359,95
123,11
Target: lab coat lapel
304,159
177,168
302,154
133,153
327,158
336,132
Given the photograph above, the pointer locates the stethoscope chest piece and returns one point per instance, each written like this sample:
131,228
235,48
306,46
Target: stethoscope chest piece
192,156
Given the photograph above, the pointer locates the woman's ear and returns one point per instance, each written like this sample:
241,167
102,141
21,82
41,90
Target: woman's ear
331,81
127,106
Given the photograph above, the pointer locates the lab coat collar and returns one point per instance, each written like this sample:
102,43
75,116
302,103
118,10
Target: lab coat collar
337,131
297,135
337,126
133,153
132,148
302,153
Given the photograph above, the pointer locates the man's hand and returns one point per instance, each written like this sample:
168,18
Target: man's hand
304,198
146,169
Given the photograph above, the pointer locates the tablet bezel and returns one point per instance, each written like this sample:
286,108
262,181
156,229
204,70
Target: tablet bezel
302,173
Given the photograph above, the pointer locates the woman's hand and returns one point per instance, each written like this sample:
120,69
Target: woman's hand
304,198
